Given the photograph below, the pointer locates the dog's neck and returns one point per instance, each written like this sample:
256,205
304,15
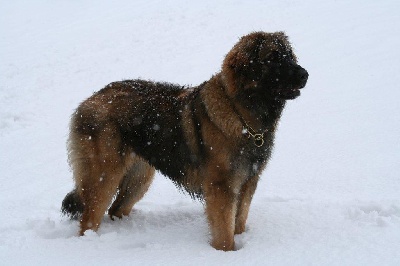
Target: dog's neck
258,121
235,119
259,113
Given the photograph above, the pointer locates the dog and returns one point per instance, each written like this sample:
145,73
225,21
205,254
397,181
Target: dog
213,140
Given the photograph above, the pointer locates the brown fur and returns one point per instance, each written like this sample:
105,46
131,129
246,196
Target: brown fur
201,137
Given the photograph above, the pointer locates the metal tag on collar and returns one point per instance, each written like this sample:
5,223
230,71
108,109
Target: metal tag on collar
258,140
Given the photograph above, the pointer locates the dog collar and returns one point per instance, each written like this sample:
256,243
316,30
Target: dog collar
258,138
248,131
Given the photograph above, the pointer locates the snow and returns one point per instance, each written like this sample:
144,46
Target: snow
330,195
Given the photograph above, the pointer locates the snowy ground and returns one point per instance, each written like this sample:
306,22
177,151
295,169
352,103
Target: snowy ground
330,195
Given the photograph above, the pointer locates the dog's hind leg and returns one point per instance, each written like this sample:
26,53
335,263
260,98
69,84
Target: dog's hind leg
96,198
132,188
97,191
98,168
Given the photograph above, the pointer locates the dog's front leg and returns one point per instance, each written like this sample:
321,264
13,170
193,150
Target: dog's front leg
245,197
221,205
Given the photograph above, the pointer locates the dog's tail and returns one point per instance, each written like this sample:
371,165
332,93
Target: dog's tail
72,205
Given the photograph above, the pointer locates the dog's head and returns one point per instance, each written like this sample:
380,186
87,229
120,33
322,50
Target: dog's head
263,66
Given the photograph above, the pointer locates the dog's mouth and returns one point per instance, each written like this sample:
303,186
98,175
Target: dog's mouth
297,79
288,94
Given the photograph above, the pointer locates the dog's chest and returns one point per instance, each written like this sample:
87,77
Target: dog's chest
250,160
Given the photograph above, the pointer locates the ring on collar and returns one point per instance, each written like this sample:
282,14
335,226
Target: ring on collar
258,138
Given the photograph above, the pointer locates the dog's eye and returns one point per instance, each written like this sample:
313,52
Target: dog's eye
275,56
264,62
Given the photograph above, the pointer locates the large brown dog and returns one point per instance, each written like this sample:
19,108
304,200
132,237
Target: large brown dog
212,140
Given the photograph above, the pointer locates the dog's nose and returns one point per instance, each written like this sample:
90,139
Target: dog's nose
302,74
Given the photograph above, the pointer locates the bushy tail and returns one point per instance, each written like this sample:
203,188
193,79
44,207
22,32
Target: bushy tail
72,205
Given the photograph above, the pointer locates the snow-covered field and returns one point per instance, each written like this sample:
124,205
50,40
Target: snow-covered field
331,193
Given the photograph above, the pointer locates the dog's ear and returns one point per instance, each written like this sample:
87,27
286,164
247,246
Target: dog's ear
280,35
228,71
282,42
240,62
